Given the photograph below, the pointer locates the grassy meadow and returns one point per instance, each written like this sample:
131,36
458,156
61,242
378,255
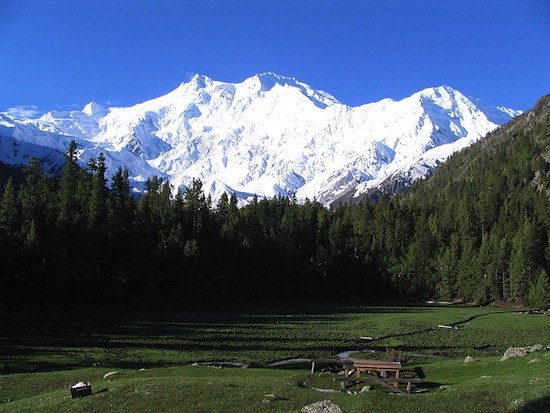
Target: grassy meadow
161,358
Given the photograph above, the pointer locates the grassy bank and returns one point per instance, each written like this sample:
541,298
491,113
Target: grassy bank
42,353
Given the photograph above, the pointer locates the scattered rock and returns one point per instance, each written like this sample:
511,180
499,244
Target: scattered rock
268,398
514,352
537,360
469,359
521,351
328,390
110,374
365,389
325,406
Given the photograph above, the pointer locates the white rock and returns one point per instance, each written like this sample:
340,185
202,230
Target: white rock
110,374
325,406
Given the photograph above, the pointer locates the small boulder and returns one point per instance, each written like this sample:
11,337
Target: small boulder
268,398
325,406
469,359
534,348
513,352
521,351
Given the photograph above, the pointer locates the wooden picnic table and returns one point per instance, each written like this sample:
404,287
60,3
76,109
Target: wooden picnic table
379,368
385,373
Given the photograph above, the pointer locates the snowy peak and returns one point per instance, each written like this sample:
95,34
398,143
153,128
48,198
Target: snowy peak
268,135
269,80
95,110
441,94
455,102
445,99
200,81
201,90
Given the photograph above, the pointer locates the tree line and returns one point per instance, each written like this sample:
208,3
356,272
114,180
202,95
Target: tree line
477,230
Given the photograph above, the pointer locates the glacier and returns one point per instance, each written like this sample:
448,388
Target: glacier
268,135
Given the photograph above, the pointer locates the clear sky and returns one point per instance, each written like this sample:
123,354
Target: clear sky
62,54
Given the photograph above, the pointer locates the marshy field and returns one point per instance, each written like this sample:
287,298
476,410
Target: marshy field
254,357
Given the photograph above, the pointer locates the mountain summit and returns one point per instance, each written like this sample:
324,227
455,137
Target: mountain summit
269,135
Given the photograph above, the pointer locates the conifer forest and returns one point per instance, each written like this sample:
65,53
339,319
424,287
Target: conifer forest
476,230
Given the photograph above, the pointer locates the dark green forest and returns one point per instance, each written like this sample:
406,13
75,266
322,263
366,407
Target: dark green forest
477,230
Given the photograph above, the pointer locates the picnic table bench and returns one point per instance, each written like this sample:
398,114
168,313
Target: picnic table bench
391,383
385,373
346,364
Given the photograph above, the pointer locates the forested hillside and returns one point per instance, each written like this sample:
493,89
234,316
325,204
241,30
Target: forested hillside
476,230
483,218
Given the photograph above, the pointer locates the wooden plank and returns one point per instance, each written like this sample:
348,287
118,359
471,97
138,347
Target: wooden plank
402,380
393,388
374,364
392,384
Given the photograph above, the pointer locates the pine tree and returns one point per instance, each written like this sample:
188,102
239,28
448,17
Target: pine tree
9,241
539,293
523,260
97,209
121,203
38,199
69,208
448,268
9,214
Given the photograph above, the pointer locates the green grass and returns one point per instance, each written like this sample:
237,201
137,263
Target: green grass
43,353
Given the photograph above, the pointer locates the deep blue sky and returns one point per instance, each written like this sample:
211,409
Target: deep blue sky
64,53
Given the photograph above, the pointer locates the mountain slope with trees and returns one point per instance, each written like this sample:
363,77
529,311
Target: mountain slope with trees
475,230
486,212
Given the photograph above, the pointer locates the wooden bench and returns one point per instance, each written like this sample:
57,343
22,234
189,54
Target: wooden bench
344,364
390,383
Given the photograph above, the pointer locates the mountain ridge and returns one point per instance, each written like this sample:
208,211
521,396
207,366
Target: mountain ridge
268,135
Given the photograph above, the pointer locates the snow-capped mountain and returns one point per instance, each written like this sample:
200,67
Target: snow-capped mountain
265,136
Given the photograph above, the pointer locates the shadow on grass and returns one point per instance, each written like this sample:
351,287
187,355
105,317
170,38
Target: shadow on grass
541,405
467,320
60,340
